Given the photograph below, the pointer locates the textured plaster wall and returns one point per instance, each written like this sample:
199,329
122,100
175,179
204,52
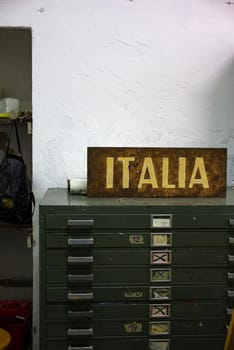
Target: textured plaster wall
125,73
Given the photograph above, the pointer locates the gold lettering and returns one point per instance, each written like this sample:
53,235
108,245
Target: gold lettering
126,161
182,169
165,172
202,180
109,172
148,166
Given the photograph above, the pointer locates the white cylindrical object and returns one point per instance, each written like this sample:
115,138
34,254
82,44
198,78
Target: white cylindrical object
77,186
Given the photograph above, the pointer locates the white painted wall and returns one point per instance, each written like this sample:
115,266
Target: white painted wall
126,73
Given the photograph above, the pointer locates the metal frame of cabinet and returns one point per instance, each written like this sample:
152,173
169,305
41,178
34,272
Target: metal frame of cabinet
135,274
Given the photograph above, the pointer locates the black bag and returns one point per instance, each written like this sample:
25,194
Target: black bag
16,197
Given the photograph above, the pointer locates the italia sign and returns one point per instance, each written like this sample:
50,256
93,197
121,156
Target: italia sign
156,172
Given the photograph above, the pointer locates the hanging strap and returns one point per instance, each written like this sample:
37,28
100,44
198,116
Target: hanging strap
9,139
13,125
17,137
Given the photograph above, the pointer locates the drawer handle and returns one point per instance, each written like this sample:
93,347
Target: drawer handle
230,293
80,259
231,222
80,241
231,258
231,240
80,347
229,311
230,276
80,314
78,223
79,296
80,278
77,331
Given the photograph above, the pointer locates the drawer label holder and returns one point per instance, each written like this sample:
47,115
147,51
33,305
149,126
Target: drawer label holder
160,275
159,328
160,293
159,310
160,257
163,239
161,221
159,344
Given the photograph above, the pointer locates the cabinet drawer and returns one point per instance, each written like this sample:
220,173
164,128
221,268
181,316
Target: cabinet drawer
141,239
107,294
134,327
131,239
189,292
128,276
137,220
139,343
126,311
201,238
188,257
98,328
100,221
98,256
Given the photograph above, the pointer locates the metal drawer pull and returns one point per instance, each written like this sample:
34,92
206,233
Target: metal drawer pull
230,293
230,258
231,240
80,348
80,296
77,223
76,331
231,222
229,311
80,314
80,278
80,241
230,275
79,259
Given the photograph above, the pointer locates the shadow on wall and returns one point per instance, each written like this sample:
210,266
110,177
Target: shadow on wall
215,97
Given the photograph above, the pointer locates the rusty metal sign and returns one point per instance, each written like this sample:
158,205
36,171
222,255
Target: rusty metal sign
156,172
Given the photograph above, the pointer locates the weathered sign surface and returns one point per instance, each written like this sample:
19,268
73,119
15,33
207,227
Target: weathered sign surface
156,172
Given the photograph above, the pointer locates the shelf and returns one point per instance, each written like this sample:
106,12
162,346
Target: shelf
10,227
8,282
19,120
21,117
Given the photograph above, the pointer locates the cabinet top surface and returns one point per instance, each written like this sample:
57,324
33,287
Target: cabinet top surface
61,197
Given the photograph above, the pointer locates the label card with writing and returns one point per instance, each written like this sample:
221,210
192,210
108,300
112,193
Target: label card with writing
136,239
159,310
159,344
161,239
133,327
136,294
160,257
159,328
160,293
161,221
160,275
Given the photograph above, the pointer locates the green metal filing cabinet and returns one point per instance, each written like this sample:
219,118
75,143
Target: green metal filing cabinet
135,274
